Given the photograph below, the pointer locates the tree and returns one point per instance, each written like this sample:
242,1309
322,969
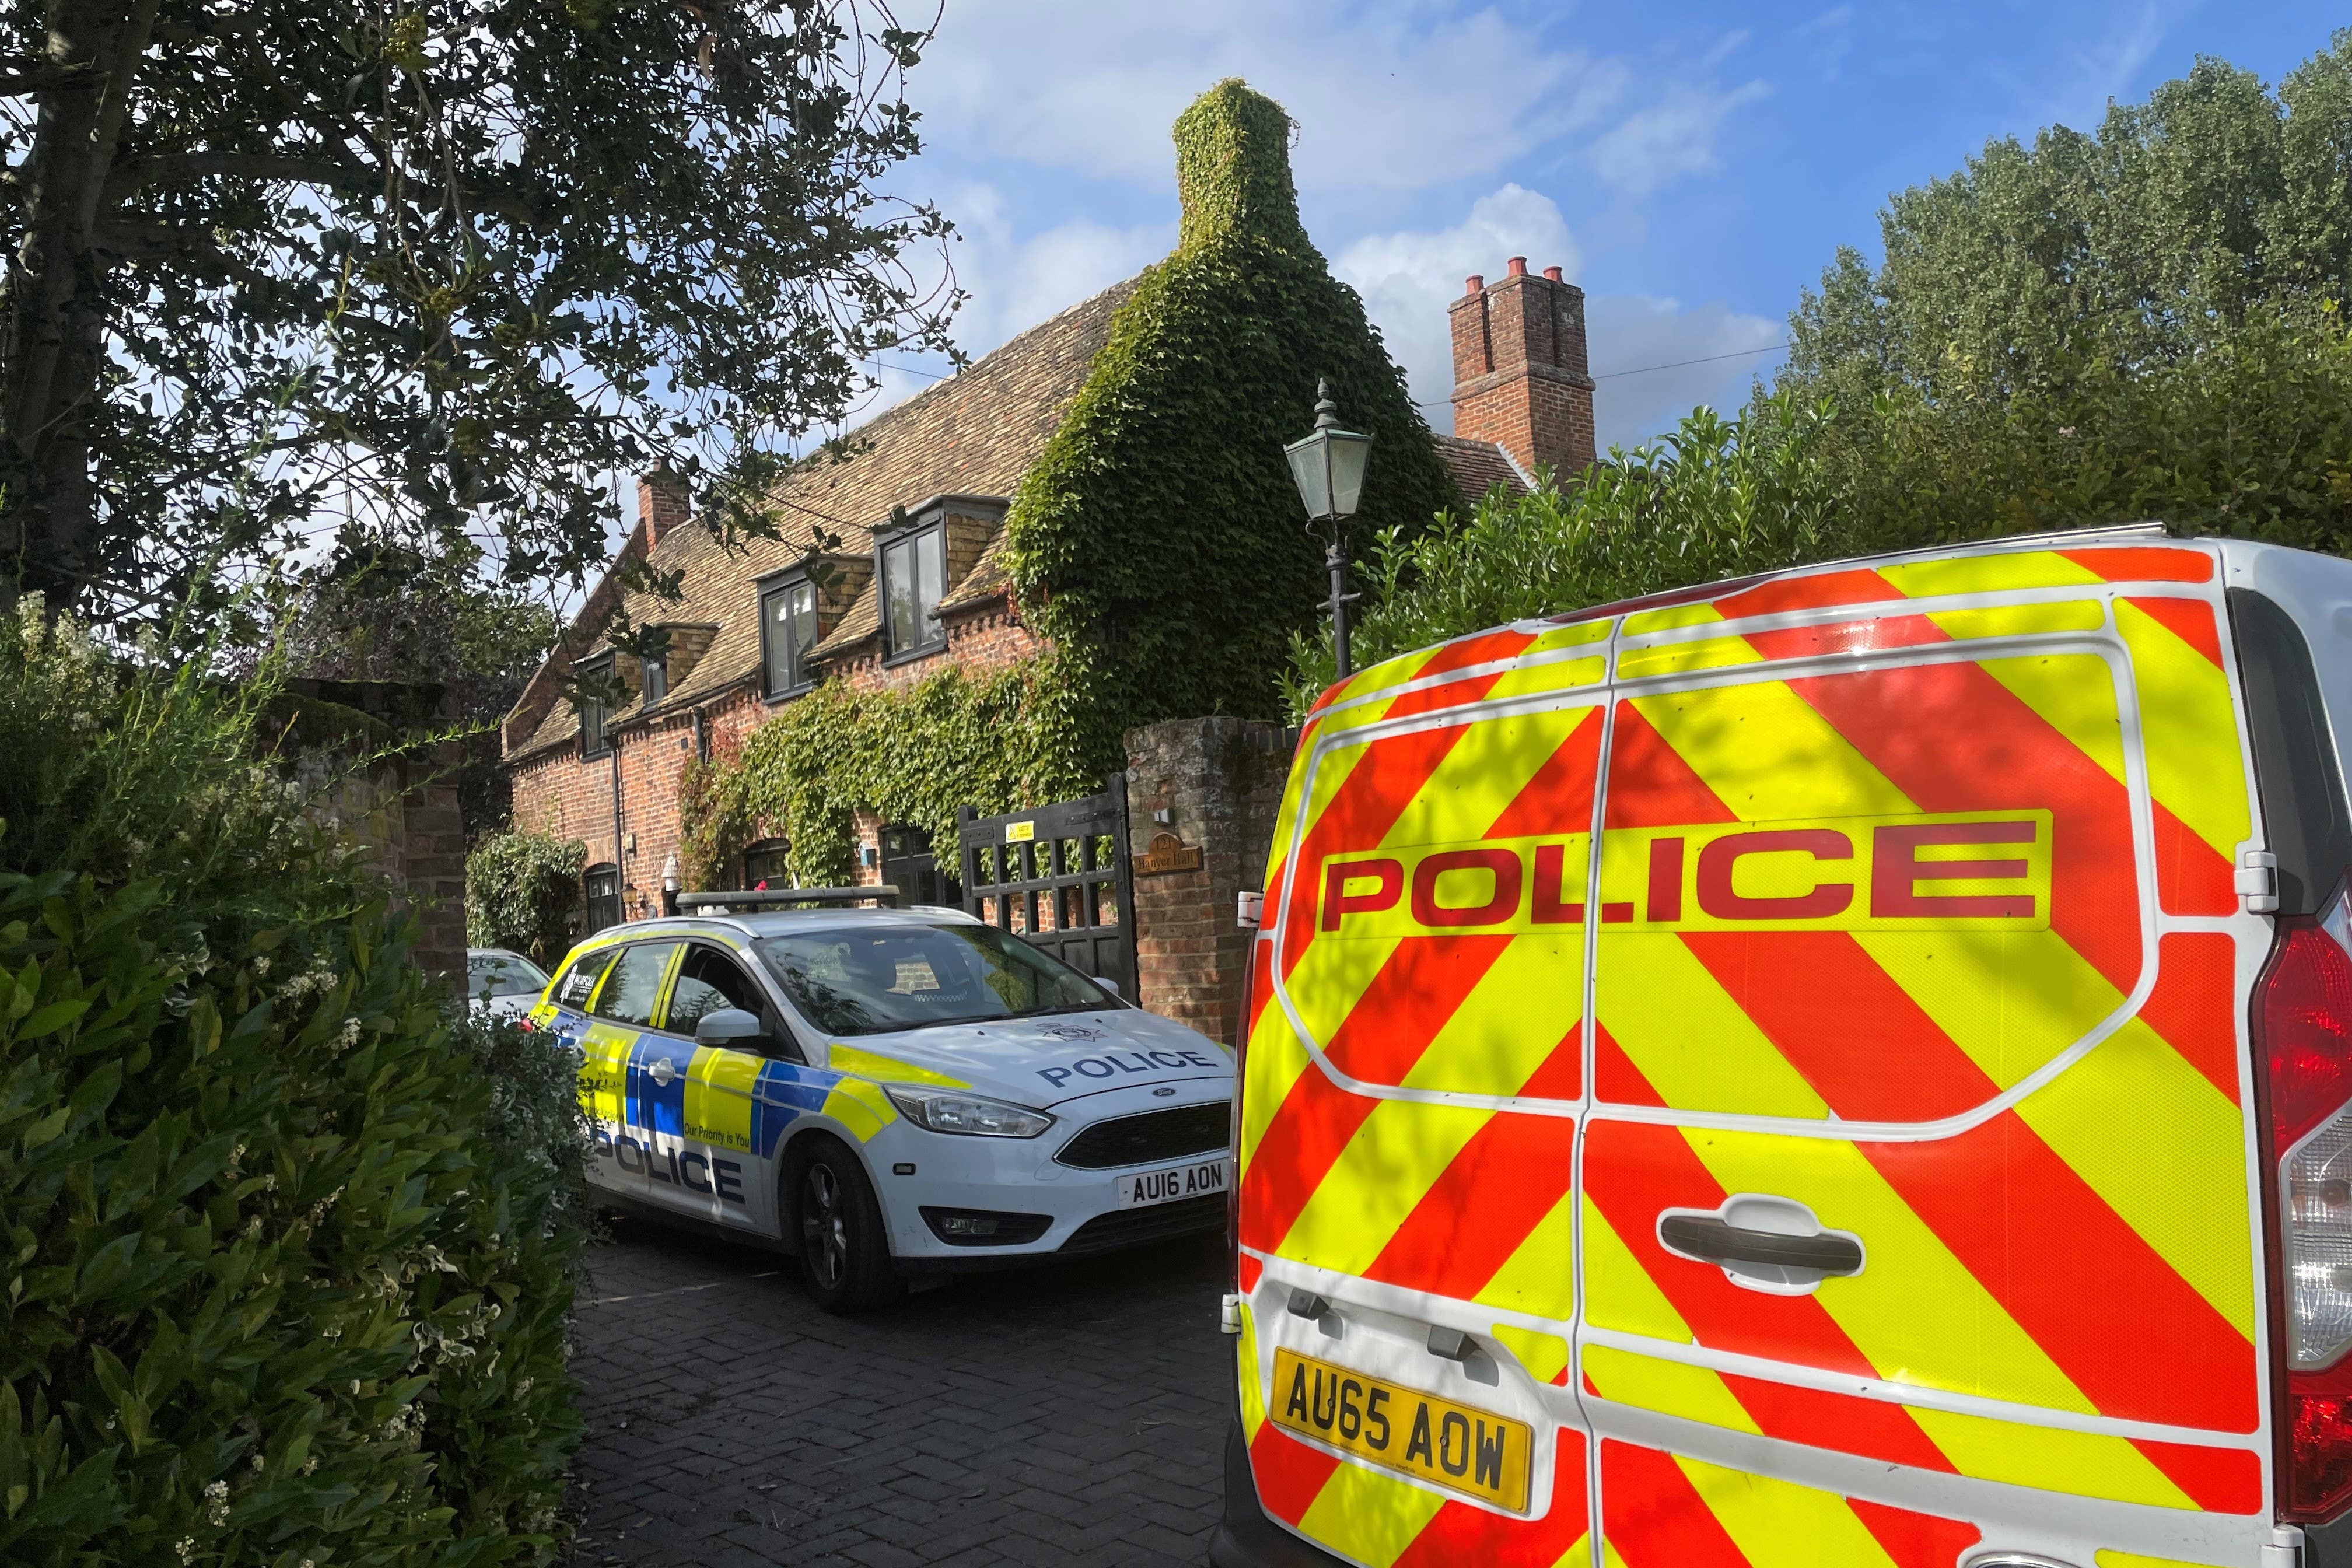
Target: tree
2143,321
441,264
1715,499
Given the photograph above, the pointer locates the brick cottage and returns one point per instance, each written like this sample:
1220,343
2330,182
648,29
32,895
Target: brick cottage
898,594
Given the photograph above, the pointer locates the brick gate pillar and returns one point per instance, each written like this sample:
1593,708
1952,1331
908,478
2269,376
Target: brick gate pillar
1201,798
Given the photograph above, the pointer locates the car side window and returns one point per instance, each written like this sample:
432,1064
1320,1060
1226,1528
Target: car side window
710,981
579,981
636,981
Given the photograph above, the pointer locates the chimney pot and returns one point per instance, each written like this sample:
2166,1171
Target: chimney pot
1552,273
1472,285
1518,267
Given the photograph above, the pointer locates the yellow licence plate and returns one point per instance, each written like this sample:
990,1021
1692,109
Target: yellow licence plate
1455,1446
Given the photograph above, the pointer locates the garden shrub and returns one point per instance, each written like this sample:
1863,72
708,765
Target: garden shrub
522,892
288,1263
1714,499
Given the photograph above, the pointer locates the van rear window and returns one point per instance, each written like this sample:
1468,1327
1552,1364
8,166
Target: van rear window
2294,764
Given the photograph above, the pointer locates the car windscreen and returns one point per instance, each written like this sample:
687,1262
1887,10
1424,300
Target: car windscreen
503,974
877,979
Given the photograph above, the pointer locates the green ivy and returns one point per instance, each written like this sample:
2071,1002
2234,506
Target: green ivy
522,891
1157,544
910,756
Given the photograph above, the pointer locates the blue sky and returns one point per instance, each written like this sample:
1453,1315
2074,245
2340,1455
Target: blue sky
1692,167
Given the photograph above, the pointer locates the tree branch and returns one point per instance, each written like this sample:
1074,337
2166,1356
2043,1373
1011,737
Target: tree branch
23,75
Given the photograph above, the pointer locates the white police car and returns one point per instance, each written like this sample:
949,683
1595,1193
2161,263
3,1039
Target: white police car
886,1093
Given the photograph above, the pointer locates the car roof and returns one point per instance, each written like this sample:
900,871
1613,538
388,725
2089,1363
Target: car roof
758,923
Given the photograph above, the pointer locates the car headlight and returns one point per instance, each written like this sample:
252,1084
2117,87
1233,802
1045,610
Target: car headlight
944,1110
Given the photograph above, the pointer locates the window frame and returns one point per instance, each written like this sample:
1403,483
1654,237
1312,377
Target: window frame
778,846
770,590
598,669
934,528
588,896
653,679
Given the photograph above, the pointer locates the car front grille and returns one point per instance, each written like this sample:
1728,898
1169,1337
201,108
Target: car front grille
1130,1227
1151,1137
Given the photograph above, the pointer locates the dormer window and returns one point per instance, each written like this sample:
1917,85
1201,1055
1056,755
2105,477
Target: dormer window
914,577
787,633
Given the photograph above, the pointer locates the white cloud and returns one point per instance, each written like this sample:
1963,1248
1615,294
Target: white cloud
1388,94
1015,282
1408,280
1672,137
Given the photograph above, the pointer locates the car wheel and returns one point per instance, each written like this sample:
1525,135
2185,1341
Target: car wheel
844,1246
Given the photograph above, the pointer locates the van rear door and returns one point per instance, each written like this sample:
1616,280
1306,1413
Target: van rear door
1919,1191
1894,1106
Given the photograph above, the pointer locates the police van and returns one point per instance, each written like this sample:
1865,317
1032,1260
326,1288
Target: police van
886,1093
1851,1066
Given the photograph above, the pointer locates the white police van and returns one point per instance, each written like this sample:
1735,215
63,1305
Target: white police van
886,1093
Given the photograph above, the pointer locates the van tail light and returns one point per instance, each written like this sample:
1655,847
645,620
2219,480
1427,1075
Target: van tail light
2303,1018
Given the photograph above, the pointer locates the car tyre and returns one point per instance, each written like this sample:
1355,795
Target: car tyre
844,1247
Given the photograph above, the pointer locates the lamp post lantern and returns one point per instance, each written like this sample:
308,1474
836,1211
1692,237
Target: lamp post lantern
1327,464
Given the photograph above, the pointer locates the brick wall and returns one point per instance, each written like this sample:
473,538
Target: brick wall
1220,782
1521,378
403,809
980,642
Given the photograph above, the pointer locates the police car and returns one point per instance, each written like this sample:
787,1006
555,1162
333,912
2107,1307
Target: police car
888,1093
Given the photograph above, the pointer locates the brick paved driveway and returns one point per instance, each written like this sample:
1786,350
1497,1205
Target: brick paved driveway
1067,1415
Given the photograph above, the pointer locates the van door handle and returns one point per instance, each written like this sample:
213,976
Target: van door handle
1708,1238
663,1071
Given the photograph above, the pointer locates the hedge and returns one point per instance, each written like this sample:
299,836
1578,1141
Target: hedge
290,1246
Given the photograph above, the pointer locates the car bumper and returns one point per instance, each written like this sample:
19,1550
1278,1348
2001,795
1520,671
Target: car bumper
1245,1538
1080,1208
916,1170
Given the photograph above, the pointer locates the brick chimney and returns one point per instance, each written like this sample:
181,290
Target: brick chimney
663,502
1519,377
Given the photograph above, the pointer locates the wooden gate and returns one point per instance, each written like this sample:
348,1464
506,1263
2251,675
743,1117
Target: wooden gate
1059,877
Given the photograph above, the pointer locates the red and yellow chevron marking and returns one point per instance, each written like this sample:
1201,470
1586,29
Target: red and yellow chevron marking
1384,1522
1662,1511
1878,897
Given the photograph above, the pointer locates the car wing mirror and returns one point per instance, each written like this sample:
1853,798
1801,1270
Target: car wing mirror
1107,984
729,1027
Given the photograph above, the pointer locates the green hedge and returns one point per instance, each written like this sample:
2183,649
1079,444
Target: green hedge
522,892
290,1248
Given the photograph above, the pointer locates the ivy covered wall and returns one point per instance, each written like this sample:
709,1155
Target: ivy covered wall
1158,542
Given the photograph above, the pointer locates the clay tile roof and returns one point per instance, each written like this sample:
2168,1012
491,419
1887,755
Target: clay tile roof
985,581
1479,466
975,432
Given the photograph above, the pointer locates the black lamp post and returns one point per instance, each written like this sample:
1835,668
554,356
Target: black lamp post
1328,467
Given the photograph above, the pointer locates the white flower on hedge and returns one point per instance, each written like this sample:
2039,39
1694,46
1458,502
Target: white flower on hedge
187,1548
216,1502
